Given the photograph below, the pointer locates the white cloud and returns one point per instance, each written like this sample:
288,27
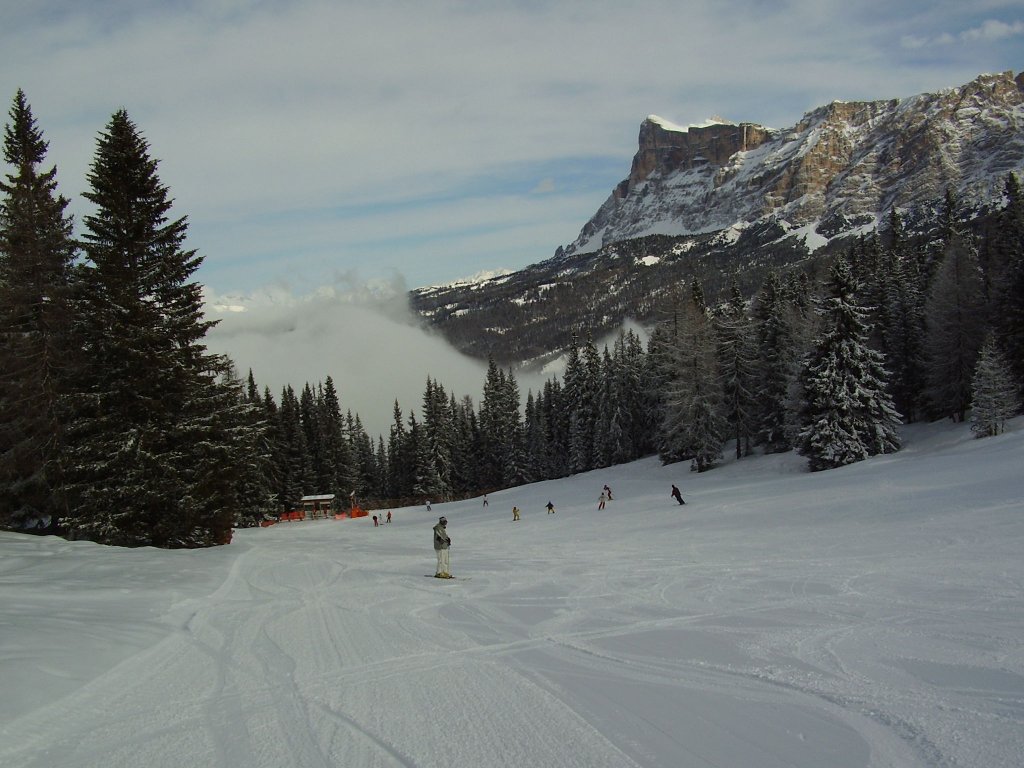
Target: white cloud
544,187
994,30
362,336
268,117
988,31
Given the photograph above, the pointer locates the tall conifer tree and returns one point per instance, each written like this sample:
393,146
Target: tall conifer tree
956,320
148,426
36,362
848,414
996,395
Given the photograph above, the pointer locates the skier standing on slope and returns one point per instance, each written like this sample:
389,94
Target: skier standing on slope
441,544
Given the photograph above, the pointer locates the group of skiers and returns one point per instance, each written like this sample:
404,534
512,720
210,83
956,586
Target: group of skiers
443,542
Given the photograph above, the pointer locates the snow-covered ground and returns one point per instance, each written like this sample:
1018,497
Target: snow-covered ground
866,616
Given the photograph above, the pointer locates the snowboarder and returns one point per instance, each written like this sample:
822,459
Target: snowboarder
441,544
374,521
551,508
515,513
677,495
602,500
428,506
485,500
608,491
389,517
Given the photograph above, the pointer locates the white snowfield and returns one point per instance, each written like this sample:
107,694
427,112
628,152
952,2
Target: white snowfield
866,616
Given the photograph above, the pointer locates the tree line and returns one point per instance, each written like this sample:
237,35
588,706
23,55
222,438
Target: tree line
899,330
119,426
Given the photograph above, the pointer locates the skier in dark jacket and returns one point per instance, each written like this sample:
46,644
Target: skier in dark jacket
677,495
441,544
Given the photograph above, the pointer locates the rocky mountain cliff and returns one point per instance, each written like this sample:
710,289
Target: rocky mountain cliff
722,198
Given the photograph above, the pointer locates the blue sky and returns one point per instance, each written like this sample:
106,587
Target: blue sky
318,143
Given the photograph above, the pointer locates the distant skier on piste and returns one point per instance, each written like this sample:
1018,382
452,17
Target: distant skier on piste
441,544
677,495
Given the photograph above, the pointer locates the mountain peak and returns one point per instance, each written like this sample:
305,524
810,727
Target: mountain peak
668,125
846,160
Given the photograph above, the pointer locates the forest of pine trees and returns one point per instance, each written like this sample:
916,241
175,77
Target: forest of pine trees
117,425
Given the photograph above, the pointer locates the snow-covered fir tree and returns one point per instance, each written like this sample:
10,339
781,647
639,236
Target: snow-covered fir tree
583,383
848,414
996,396
627,422
146,421
435,458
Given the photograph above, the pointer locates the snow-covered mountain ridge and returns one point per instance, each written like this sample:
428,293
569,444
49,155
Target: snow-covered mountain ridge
843,164
719,200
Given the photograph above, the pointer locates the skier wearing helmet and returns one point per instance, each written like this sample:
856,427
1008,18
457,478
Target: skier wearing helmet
441,544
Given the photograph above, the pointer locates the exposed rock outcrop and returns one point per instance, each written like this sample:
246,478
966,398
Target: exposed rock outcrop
850,161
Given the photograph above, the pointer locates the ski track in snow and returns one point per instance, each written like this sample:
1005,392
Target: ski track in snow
867,617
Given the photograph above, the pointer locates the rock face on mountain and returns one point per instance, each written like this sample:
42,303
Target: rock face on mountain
722,202
844,164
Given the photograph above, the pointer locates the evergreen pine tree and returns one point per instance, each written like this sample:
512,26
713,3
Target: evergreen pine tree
296,476
556,417
238,429
902,328
607,429
36,355
776,365
465,447
734,335
492,435
368,474
534,438
400,470
1006,267
515,469
848,414
995,394
586,393
146,421
955,317
339,472
436,460
693,426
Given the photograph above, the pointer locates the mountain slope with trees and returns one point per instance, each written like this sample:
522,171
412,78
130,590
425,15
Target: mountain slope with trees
120,427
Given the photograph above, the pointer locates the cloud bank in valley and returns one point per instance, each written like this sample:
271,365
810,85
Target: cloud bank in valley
364,337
